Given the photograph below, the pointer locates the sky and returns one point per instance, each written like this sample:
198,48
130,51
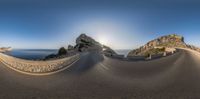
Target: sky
120,24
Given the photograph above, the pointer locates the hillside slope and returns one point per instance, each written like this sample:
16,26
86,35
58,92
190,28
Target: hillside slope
159,45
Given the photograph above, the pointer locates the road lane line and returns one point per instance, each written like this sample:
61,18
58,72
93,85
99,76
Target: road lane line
105,67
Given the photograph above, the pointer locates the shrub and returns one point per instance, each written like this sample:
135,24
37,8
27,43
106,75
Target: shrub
62,51
50,56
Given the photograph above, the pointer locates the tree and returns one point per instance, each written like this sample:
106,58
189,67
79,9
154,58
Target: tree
62,51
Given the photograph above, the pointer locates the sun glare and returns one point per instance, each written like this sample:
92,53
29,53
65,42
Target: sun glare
103,41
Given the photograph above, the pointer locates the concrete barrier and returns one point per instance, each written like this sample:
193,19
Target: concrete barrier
37,67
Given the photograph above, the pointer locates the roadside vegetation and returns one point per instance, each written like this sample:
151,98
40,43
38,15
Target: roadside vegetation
154,51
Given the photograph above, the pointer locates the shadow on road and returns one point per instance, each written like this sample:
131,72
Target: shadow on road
87,61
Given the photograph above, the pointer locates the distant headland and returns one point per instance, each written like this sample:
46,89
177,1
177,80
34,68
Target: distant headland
5,49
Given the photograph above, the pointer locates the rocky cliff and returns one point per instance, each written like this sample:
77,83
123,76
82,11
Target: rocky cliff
86,43
108,51
158,45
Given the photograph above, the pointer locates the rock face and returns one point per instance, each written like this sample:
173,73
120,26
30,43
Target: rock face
86,43
108,51
155,46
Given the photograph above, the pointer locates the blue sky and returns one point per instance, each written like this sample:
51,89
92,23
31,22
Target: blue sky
121,24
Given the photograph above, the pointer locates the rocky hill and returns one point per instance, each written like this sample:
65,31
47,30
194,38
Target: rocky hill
86,43
158,45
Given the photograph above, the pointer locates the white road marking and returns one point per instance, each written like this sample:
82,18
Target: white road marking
105,67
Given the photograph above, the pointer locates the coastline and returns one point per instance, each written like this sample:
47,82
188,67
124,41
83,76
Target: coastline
31,54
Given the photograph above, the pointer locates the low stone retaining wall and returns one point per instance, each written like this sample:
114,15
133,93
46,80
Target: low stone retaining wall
143,58
37,67
139,58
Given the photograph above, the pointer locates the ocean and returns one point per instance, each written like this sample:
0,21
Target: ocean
31,54
38,54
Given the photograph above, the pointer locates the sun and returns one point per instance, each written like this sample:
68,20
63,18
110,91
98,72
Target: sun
103,40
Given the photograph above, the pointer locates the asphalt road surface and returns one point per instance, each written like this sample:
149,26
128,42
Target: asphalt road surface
97,77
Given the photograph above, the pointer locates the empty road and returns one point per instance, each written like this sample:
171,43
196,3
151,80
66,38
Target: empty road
97,77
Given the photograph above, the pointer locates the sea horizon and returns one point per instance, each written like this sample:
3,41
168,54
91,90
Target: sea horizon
31,54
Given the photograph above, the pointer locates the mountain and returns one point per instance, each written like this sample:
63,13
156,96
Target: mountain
159,45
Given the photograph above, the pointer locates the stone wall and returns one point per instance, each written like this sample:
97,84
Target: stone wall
37,66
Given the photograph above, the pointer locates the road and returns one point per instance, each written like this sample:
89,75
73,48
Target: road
97,77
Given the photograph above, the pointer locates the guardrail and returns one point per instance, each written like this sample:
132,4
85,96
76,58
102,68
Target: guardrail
37,67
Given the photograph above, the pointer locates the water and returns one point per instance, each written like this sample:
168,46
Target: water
31,54
123,51
37,54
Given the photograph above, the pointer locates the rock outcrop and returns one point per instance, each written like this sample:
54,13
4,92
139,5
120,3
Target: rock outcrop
86,43
5,49
159,45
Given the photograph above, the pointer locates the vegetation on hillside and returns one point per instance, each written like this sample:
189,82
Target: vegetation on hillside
62,51
154,51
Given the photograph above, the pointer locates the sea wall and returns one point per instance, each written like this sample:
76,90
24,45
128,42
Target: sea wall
37,67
